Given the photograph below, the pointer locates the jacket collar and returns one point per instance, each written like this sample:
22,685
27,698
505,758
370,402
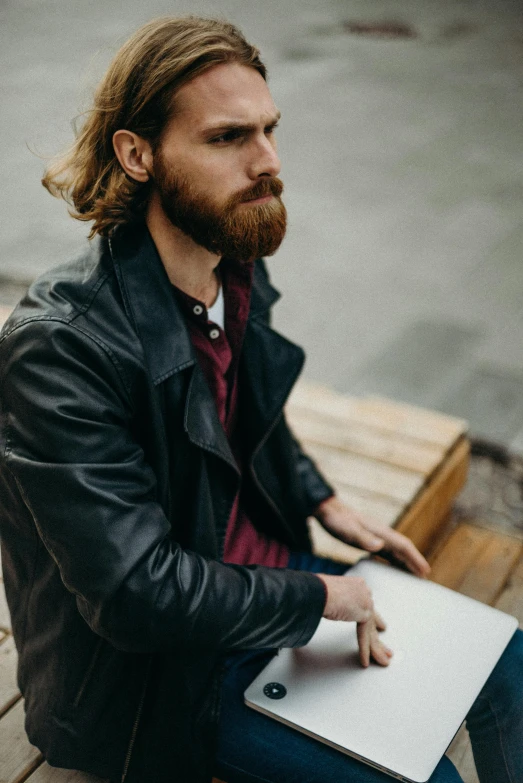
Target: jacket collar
151,303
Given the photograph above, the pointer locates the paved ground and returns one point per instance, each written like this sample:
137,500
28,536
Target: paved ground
402,271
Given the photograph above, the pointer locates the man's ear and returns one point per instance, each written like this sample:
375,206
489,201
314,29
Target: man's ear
134,153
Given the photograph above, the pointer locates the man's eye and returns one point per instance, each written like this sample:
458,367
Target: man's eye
223,138
271,128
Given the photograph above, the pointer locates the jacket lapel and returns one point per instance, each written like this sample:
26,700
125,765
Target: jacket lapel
151,305
201,421
270,365
270,362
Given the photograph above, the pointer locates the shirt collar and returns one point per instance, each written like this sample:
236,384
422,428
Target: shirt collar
236,281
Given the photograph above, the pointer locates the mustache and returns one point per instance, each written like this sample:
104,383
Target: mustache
269,186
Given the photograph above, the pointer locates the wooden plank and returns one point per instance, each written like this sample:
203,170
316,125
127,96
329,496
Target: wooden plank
5,618
383,510
458,554
498,558
365,474
8,688
47,774
420,422
424,518
17,756
313,427
476,562
511,599
386,415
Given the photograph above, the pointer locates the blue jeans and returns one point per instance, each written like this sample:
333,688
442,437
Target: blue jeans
253,747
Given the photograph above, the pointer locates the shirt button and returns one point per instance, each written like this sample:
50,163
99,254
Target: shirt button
214,333
197,309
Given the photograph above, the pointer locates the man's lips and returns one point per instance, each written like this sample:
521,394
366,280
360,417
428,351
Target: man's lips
258,199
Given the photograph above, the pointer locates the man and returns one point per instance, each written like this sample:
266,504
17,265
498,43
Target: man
153,499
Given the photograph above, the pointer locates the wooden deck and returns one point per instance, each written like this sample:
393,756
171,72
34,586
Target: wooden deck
400,464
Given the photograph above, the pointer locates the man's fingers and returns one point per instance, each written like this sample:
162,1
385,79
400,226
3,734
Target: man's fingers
369,534
370,645
363,631
403,549
413,559
381,625
367,540
372,536
379,652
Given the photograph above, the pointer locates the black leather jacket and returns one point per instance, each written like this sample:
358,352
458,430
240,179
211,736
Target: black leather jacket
116,484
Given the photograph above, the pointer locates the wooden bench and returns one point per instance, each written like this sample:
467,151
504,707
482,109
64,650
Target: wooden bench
399,464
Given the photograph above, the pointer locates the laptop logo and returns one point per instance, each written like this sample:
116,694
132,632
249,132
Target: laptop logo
275,690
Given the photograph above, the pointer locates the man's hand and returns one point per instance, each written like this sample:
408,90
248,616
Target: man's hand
352,528
349,599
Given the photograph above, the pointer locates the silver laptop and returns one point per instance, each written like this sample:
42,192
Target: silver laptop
401,718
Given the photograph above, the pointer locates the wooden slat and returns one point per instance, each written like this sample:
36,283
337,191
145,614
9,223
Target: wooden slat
423,520
47,774
365,474
420,422
8,687
5,618
498,558
383,510
511,599
312,427
17,756
386,415
476,562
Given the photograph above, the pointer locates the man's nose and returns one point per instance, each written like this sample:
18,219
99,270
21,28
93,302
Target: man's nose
265,161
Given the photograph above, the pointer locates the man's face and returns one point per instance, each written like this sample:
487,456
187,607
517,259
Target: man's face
215,171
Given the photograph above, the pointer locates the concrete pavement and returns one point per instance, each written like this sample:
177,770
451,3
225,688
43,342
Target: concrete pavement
402,272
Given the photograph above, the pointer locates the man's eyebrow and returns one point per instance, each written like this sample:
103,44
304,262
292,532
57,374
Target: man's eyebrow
228,125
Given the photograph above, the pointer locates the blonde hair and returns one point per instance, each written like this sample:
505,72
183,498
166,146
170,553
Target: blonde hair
136,94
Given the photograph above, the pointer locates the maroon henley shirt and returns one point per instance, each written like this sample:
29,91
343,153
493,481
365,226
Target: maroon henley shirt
218,352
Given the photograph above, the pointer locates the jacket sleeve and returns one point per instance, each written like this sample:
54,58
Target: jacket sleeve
315,487
66,414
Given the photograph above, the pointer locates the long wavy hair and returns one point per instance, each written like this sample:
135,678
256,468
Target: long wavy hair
137,94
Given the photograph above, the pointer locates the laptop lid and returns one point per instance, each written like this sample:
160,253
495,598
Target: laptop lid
401,718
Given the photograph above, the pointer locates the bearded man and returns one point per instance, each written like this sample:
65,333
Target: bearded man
154,501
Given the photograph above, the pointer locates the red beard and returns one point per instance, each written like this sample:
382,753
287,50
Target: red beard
239,233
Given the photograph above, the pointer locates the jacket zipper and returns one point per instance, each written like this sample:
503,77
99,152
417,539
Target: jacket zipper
134,730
